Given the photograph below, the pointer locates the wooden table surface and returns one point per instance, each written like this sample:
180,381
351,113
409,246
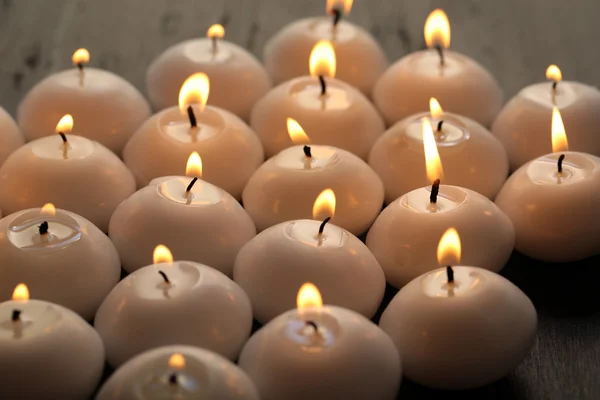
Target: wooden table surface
515,39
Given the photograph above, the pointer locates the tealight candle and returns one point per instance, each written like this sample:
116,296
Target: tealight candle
362,59
48,351
459,327
524,122
107,108
74,173
284,187
280,259
330,353
170,303
230,150
178,372
553,202
458,81
473,158
199,221
10,137
237,78
45,248
332,111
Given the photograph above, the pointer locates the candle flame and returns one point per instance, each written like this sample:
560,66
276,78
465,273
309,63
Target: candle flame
309,297
435,109
433,164
65,125
559,135
296,132
162,254
437,29
345,4
322,59
193,169
176,361
449,248
194,91
21,292
215,31
553,73
48,209
324,205
81,56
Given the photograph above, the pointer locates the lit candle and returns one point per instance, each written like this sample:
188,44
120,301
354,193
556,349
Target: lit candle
237,78
199,221
332,111
524,122
72,172
329,352
275,263
107,108
178,372
553,202
362,60
230,150
285,186
48,351
456,80
45,248
10,136
473,158
169,303
459,327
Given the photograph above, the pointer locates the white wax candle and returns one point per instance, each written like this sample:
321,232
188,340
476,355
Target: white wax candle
463,334
178,372
10,136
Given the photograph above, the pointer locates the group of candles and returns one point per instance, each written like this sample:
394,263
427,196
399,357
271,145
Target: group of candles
173,328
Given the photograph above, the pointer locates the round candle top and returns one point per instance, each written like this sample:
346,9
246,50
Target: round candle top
524,122
10,136
181,372
237,77
61,354
333,112
330,351
456,80
195,304
107,108
459,327
472,157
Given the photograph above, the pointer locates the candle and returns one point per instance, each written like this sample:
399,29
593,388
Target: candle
321,352
230,150
178,372
10,137
199,221
107,108
170,303
332,111
362,59
405,235
45,248
524,122
458,81
473,158
285,186
72,172
553,202
459,327
280,259
48,351
236,76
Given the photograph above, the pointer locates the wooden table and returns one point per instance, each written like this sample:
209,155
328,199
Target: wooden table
515,39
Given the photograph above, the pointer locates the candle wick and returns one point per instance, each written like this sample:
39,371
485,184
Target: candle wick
173,378
191,185
165,277
43,228
307,152
439,127
16,315
435,189
214,45
81,73
322,227
450,274
440,51
63,137
192,116
323,85
313,324
560,161
554,84
337,16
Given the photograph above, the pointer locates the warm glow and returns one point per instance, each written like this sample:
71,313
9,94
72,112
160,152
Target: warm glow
21,292
176,361
162,254
449,249
65,125
81,56
553,73
437,29
433,164
194,91
345,4
435,109
216,31
324,205
296,132
309,297
559,135
322,59
48,209
193,168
